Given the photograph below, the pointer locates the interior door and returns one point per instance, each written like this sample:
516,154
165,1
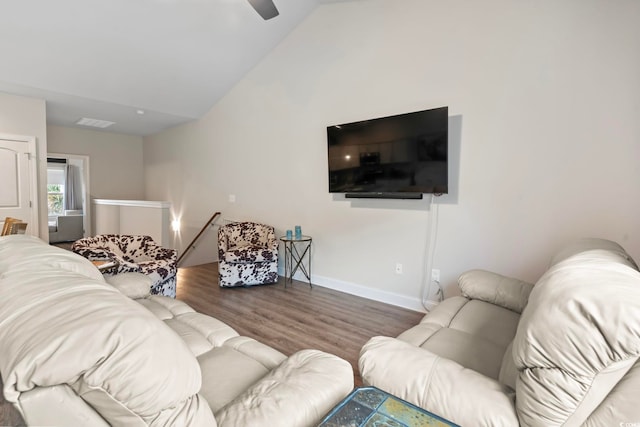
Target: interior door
17,181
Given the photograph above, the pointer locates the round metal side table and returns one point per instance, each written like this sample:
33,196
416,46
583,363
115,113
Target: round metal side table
295,251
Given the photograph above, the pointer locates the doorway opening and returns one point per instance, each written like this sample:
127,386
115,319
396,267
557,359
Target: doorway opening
68,202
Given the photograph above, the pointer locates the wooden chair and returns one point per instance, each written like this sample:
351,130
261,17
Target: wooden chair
13,226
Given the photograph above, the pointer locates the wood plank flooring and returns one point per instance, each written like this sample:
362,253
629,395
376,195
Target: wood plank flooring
296,317
288,318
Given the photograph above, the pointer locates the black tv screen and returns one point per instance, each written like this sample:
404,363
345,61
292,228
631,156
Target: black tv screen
406,153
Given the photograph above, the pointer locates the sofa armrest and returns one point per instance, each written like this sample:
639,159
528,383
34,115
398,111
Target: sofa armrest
438,385
299,392
494,288
57,405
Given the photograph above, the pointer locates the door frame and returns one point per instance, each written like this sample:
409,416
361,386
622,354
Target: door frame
87,187
34,223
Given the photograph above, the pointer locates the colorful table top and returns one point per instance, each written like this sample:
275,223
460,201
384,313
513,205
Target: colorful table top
372,407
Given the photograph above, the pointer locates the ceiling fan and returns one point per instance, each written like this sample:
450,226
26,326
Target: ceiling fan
265,8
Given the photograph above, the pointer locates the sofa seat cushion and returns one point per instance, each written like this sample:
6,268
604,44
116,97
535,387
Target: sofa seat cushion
297,392
200,332
487,321
133,285
473,333
229,363
229,370
249,254
247,383
436,384
226,373
470,351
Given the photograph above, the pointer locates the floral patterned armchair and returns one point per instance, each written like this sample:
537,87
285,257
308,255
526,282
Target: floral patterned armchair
139,254
247,254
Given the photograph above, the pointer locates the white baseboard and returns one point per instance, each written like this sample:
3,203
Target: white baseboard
363,291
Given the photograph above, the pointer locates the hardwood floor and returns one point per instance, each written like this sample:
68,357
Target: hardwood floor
296,317
288,318
9,416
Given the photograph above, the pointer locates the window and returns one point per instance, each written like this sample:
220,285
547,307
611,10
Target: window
55,189
55,199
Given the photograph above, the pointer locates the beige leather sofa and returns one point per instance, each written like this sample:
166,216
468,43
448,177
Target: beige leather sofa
78,351
562,352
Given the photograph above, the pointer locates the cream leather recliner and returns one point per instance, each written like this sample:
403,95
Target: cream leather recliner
78,351
562,352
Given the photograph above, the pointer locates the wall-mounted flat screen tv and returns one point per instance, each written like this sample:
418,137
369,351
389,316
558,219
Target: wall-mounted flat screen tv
390,156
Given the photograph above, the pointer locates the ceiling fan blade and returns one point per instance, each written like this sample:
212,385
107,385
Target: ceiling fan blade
265,8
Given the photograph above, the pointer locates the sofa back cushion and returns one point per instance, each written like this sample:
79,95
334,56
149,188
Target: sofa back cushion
589,244
245,234
577,337
127,247
23,252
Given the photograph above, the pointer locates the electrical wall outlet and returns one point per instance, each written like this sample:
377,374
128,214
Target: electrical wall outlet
398,268
435,275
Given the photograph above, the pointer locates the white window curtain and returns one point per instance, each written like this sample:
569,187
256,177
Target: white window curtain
73,189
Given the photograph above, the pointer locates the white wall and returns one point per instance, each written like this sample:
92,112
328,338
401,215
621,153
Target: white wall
544,99
115,160
148,218
24,116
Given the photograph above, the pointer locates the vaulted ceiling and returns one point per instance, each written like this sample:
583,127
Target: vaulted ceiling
144,64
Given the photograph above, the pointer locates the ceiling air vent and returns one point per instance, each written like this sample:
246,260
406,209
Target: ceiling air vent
94,123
